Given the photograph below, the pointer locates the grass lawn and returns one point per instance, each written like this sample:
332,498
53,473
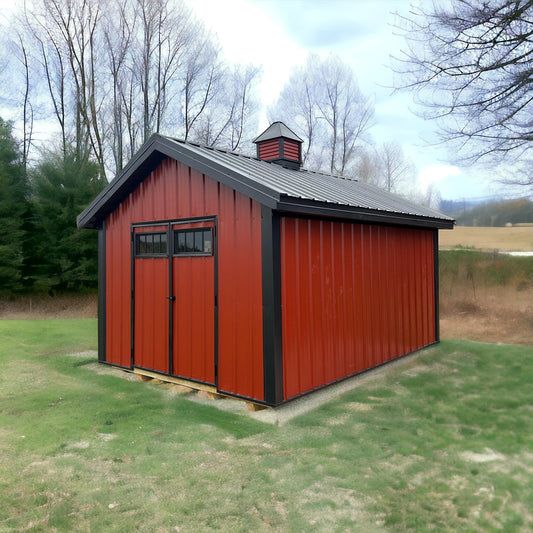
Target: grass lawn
442,441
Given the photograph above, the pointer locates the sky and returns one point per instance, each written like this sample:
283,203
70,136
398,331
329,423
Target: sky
279,34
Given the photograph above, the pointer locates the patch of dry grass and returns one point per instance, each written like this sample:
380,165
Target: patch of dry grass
507,239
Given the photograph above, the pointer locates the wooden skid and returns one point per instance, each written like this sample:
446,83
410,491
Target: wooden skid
178,381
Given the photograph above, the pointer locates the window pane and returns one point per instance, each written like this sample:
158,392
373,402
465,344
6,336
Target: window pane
151,244
208,242
189,246
198,241
141,244
181,242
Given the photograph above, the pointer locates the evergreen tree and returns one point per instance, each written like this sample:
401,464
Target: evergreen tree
13,205
62,187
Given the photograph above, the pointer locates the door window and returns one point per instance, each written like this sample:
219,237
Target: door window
197,241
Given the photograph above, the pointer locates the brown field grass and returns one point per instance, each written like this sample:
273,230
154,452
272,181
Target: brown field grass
507,239
43,306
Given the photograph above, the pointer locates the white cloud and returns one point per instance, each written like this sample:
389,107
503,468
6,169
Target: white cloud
435,174
248,34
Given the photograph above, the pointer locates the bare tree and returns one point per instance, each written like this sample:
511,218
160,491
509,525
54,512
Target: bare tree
118,35
116,72
299,101
229,117
328,111
470,63
23,57
385,166
395,167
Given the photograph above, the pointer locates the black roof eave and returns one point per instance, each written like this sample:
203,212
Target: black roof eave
155,150
360,214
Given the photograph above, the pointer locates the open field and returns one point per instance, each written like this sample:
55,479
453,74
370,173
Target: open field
486,297
507,239
442,440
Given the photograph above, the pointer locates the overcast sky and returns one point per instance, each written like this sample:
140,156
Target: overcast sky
278,34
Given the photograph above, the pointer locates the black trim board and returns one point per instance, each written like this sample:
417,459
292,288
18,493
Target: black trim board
272,333
436,283
323,209
101,294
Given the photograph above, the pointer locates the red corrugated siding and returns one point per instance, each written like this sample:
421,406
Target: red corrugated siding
174,191
353,296
269,149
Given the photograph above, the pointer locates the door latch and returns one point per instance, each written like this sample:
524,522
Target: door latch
171,298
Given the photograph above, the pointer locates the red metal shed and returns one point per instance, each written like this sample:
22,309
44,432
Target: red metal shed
258,278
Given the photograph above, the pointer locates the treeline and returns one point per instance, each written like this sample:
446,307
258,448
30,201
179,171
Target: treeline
41,250
489,214
110,74
107,75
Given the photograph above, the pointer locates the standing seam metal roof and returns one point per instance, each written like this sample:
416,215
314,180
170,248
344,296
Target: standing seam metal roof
316,186
266,182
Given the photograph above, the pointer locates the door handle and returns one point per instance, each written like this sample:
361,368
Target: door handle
171,298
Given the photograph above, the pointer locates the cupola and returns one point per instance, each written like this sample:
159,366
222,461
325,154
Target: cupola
279,144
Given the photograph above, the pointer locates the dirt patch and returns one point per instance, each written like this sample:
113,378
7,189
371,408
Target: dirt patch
488,456
44,306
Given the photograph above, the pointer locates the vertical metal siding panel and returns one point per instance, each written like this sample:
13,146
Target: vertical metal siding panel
431,287
118,290
340,300
240,315
424,289
256,297
329,316
367,296
319,303
430,284
389,302
377,295
306,298
227,292
358,308
291,384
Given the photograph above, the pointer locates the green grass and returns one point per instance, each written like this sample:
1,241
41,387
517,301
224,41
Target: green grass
440,441
484,269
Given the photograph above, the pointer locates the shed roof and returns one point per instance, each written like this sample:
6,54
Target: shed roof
276,130
285,190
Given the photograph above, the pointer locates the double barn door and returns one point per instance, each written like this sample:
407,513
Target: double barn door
174,298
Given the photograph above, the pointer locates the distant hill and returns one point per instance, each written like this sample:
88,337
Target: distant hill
489,214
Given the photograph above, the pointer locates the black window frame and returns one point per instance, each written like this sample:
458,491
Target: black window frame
190,240
140,254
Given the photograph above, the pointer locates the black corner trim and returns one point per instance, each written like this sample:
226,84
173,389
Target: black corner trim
101,294
436,282
272,335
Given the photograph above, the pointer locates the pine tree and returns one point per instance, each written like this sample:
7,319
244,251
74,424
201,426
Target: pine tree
62,187
13,205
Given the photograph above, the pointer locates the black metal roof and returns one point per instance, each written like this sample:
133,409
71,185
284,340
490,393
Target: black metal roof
276,130
285,190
